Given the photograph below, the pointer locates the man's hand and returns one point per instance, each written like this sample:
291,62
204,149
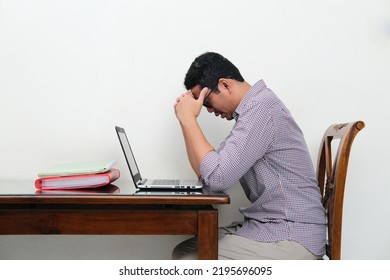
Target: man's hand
187,107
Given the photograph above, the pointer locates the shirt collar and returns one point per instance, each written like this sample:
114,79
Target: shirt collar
256,88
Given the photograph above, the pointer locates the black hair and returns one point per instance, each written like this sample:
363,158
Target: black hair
208,68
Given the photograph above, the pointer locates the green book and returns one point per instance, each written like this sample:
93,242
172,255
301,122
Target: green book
78,168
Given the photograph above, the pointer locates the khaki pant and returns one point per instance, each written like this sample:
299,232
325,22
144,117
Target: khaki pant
235,247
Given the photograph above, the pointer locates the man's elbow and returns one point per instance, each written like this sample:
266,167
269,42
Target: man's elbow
218,183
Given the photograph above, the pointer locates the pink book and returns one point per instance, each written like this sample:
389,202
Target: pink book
77,181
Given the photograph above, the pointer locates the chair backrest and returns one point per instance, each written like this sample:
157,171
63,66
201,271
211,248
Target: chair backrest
331,176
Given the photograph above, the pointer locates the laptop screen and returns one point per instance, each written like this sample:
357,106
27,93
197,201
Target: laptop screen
128,154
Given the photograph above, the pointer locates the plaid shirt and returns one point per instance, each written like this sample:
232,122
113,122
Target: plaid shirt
267,153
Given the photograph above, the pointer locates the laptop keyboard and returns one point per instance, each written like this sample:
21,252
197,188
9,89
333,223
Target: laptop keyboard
166,182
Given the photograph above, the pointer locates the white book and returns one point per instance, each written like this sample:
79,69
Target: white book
78,168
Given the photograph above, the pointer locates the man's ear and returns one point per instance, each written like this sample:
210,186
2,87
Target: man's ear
225,85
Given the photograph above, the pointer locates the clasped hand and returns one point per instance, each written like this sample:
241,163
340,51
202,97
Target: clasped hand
187,107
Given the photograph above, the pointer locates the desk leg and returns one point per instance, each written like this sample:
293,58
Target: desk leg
208,235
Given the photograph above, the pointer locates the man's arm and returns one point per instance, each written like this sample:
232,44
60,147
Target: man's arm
187,109
196,143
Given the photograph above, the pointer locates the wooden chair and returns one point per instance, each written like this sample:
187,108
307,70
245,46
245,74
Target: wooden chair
331,176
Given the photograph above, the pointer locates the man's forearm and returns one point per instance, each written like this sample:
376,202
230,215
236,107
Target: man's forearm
196,143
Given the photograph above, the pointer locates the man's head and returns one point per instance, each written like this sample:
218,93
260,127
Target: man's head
224,84
208,68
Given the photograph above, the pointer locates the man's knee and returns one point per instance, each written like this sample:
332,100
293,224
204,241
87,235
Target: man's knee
186,250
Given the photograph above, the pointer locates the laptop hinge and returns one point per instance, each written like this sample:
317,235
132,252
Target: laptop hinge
142,181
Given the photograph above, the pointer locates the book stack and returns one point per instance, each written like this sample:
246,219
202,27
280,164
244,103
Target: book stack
82,175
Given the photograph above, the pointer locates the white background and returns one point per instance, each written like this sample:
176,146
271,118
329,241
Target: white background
72,70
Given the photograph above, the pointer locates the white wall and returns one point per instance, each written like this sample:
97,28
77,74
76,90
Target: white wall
71,70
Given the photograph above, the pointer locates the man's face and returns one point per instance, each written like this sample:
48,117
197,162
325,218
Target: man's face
217,103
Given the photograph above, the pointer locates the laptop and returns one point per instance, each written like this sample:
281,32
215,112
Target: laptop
169,192
150,184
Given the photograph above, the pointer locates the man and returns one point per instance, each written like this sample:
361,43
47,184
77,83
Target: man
266,152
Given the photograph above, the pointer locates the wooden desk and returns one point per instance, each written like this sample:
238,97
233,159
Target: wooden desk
116,209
